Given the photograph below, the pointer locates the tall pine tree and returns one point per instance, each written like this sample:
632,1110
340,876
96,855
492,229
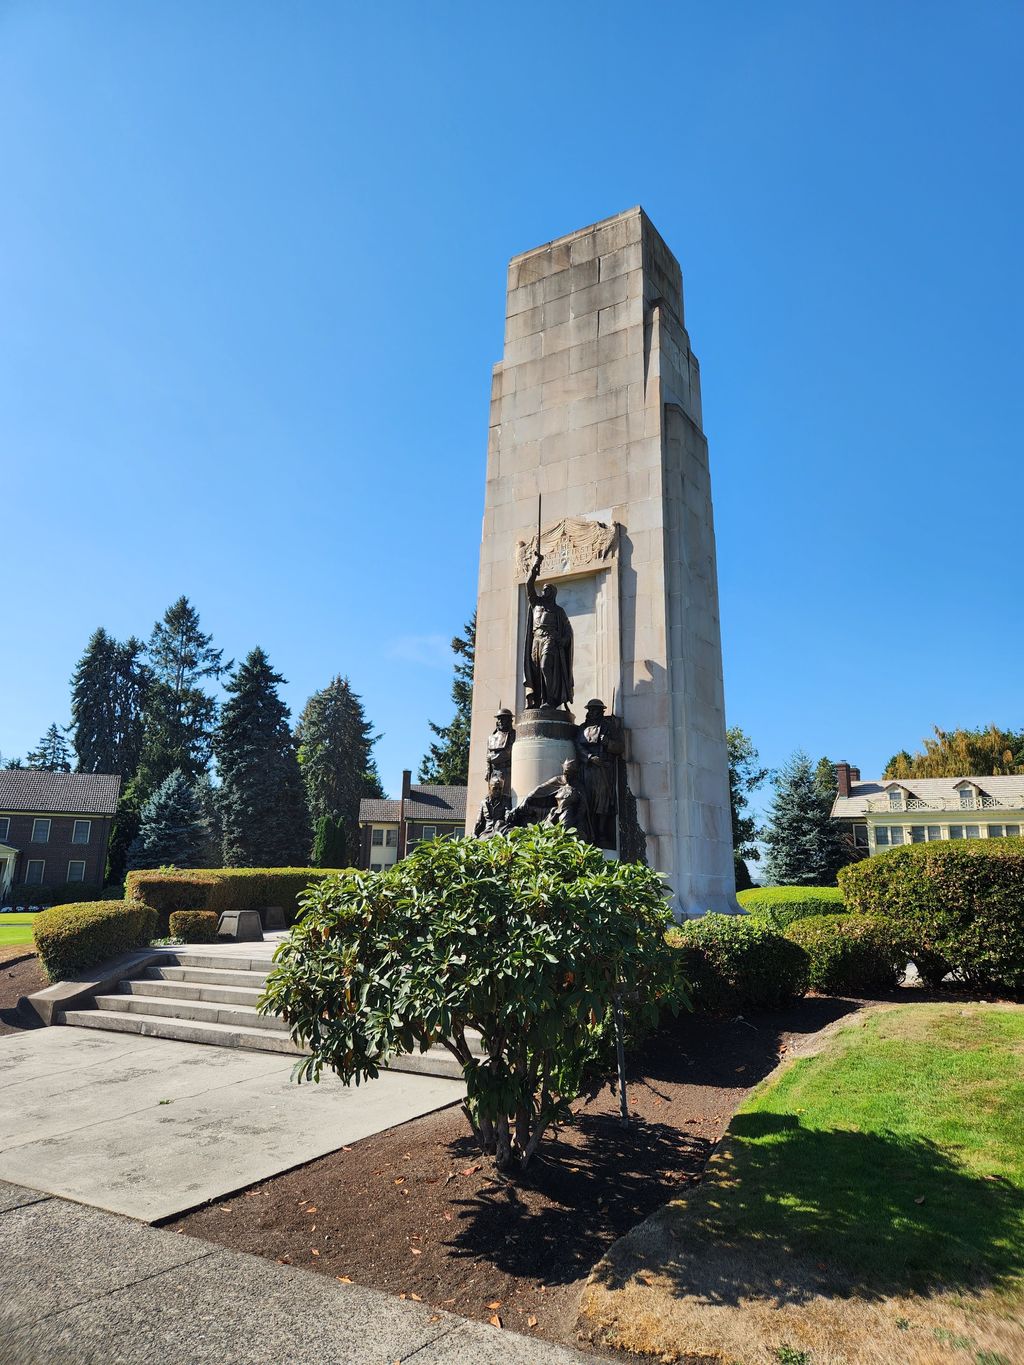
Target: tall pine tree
336,755
109,691
181,714
170,828
262,800
447,760
52,752
803,844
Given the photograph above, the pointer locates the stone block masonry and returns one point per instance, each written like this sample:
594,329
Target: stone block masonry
596,406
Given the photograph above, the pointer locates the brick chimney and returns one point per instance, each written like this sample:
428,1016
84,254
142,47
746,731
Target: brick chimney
843,775
406,789
854,774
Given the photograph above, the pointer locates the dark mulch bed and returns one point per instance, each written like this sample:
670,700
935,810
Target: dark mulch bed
415,1211
20,974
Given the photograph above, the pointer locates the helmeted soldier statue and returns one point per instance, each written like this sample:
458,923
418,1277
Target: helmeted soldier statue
494,810
561,800
547,662
599,744
499,747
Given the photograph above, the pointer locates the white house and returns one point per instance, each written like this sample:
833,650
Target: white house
915,810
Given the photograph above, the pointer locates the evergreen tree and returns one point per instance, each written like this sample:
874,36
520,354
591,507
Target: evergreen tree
262,800
447,760
13,763
180,714
330,847
803,846
336,756
208,800
170,827
52,752
109,692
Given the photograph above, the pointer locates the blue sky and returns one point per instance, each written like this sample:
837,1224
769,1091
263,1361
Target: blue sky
252,267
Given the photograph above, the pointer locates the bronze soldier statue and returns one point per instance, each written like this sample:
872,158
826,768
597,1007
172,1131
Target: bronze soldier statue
499,747
547,665
561,800
495,810
600,745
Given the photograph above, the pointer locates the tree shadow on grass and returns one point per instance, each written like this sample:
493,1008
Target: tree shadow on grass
788,1213
577,1198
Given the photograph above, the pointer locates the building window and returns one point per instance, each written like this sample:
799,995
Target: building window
34,872
860,836
1003,831
376,867
917,834
966,799
82,830
895,800
5,826
391,838
76,870
934,832
885,835
428,832
965,831
40,831
377,838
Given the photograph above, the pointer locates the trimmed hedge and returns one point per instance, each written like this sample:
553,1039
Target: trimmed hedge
958,904
849,954
780,906
733,962
193,926
220,889
72,938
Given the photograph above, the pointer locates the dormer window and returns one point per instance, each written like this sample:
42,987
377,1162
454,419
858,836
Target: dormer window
895,799
966,798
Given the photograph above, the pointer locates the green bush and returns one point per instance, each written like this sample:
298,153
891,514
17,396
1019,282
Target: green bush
72,938
849,954
526,938
220,889
193,926
780,906
733,962
957,904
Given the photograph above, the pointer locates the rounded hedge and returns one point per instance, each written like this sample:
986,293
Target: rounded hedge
734,962
780,906
72,938
194,926
958,905
219,889
849,954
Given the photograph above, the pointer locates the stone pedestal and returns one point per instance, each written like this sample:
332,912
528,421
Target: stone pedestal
545,738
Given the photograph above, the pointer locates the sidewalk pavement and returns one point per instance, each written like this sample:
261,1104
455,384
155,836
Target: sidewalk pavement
83,1287
150,1127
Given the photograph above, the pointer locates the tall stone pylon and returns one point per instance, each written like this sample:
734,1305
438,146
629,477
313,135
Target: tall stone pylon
595,408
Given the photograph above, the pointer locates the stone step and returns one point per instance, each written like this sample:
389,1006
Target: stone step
183,1030
240,961
152,984
209,976
200,1011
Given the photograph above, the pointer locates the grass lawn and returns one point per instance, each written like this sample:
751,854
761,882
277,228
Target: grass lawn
15,930
866,1204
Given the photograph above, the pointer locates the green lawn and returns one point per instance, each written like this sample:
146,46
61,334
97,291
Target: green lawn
15,930
897,1154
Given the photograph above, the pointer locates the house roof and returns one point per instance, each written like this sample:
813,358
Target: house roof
36,789
424,802
943,791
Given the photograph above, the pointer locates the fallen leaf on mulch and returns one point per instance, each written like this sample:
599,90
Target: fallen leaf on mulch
531,1321
495,1303
416,1251
400,1180
313,1251
470,1170
311,1209
495,1321
344,1279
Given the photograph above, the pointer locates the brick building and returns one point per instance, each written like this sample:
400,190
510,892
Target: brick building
54,827
388,829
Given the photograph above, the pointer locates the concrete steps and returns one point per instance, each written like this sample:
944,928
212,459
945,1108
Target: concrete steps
211,998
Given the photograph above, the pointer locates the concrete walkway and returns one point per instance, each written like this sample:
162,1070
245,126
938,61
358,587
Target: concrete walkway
149,1128
81,1287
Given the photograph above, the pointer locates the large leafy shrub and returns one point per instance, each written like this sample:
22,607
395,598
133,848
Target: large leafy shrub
958,905
193,926
780,906
849,954
733,962
72,938
220,889
525,938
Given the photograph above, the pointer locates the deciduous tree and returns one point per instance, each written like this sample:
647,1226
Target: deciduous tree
962,753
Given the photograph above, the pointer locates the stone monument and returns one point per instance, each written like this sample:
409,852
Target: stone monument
595,409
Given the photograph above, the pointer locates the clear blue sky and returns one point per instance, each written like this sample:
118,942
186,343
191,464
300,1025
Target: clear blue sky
252,269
